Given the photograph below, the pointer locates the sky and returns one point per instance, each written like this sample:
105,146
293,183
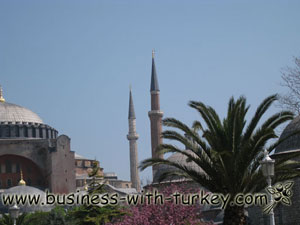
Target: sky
72,63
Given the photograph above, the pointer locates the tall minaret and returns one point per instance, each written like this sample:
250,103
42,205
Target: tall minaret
155,116
132,137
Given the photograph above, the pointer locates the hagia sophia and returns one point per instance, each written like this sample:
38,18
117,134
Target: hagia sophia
34,152
45,159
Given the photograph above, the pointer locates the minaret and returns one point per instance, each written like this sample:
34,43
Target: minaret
155,116
132,137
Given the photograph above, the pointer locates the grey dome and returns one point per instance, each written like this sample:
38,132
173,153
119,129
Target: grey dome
14,113
27,190
293,142
180,159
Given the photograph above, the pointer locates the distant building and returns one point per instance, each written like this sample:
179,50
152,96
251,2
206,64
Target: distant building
112,179
83,167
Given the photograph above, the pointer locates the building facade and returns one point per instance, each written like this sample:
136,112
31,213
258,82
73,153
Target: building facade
29,145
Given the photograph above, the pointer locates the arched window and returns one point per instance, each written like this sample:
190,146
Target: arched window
33,132
8,166
25,131
18,167
17,131
41,133
6,132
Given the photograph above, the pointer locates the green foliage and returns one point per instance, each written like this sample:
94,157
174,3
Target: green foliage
94,185
93,214
40,218
7,219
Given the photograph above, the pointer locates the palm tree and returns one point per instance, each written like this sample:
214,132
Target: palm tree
227,151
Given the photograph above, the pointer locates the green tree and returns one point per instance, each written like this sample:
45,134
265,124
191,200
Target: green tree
228,151
7,219
94,214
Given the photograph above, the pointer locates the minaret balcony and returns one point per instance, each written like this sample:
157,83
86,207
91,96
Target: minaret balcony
132,136
155,113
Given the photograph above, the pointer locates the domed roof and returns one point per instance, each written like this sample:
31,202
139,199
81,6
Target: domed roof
180,159
14,113
27,190
293,142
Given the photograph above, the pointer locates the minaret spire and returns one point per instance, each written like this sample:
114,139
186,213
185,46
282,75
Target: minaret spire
155,116
1,95
154,83
132,137
131,113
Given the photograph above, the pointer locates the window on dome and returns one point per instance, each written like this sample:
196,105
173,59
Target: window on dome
41,133
6,132
17,131
25,131
33,132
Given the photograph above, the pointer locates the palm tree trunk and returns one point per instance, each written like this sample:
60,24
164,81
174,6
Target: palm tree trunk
234,215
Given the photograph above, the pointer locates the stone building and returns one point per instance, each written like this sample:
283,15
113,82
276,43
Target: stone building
29,145
83,167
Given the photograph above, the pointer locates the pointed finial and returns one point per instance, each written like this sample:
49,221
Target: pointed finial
1,95
154,82
130,87
22,182
131,113
85,185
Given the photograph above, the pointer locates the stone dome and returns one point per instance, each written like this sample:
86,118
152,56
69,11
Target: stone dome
180,159
19,122
26,190
12,113
293,142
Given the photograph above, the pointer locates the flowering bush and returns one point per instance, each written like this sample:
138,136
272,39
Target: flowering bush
168,213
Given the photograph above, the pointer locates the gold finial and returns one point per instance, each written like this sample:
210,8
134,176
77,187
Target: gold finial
85,185
22,182
153,53
1,95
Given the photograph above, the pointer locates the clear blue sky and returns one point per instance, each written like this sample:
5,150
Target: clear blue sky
72,63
